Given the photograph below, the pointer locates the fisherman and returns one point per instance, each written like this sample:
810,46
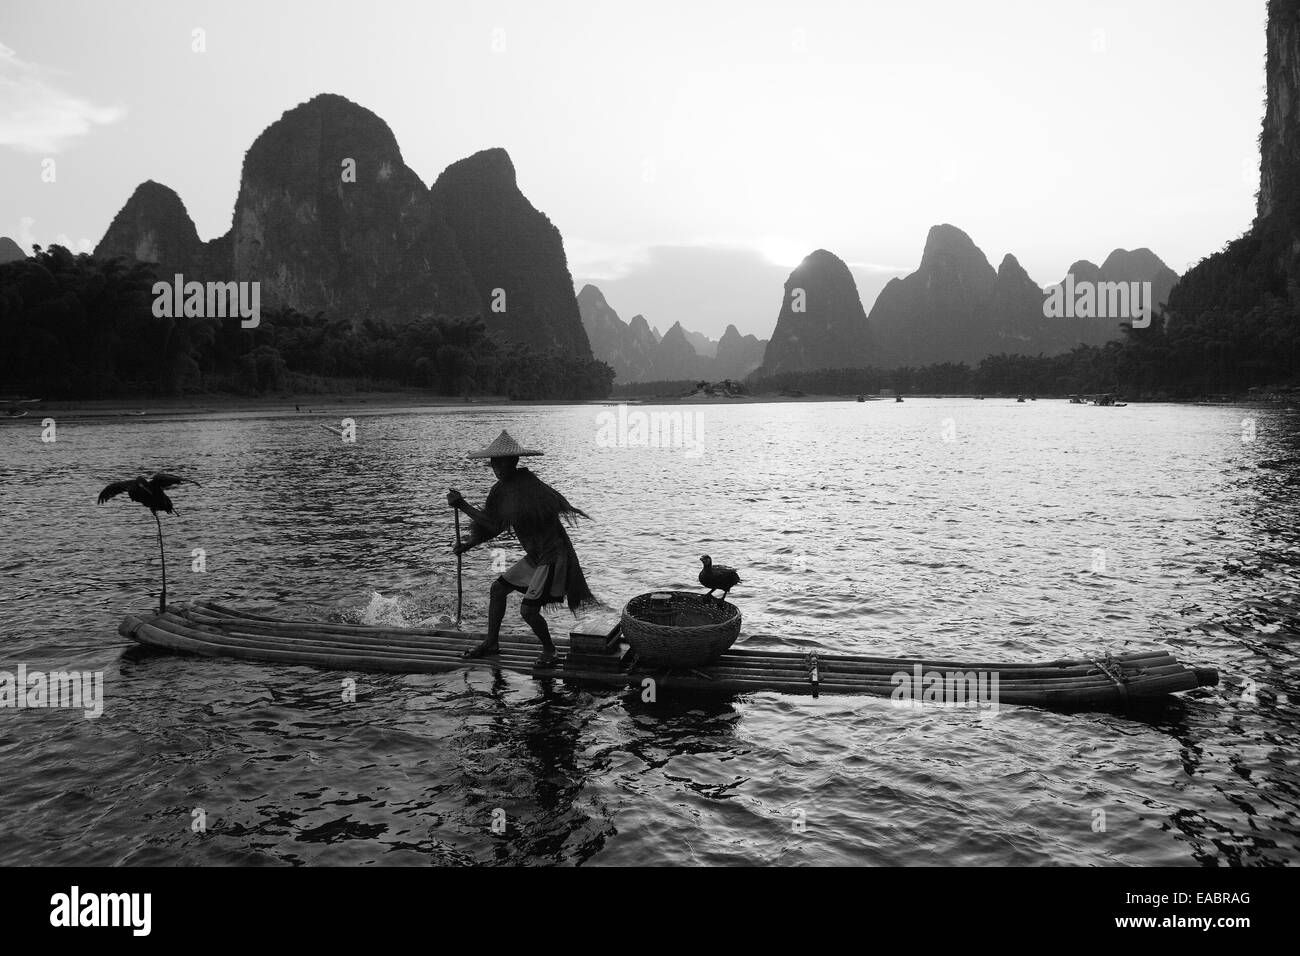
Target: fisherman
549,571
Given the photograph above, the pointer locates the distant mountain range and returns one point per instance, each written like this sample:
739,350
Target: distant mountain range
637,353
329,217
956,308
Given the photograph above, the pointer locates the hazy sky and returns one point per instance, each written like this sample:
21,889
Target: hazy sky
691,153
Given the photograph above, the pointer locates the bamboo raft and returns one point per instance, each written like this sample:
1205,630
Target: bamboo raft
210,630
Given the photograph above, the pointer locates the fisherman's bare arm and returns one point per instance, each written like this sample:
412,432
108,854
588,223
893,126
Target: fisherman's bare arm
457,501
485,528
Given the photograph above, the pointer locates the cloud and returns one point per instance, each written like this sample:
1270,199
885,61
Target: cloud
36,116
597,260
26,238
878,267
704,286
73,245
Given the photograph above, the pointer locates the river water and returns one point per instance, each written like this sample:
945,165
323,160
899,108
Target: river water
947,528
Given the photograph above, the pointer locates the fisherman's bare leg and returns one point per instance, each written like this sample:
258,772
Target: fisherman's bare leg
496,613
497,609
533,615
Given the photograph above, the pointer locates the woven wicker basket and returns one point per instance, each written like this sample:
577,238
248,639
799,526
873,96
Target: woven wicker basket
680,628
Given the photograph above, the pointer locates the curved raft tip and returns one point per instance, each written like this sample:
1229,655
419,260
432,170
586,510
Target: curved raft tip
130,624
1206,676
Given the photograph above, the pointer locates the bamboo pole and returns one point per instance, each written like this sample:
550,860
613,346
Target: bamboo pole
459,583
456,641
823,657
162,555
377,637
302,652
308,644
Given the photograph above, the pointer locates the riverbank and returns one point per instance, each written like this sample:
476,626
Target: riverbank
241,404
732,399
334,406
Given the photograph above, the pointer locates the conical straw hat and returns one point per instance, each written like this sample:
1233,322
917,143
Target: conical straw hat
504,447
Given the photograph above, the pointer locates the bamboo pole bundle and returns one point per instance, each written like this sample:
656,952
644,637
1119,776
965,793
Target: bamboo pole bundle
212,630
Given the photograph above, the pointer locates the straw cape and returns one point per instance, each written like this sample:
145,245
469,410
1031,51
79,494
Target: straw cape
503,446
536,513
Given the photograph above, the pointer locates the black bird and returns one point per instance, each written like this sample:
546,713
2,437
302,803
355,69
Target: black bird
149,492
717,577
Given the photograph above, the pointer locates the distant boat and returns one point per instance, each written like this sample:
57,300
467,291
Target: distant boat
1021,399
862,398
898,398
10,405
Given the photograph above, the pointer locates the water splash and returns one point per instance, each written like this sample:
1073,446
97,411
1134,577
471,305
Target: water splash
399,612
383,611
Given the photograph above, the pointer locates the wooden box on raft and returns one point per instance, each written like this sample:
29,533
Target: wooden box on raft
598,651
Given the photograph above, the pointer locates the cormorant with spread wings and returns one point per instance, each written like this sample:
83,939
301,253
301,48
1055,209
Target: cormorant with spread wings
149,492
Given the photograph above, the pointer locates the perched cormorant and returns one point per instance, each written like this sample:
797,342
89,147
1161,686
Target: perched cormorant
149,492
717,577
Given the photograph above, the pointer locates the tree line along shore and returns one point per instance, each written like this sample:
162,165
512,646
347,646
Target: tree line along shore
77,327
